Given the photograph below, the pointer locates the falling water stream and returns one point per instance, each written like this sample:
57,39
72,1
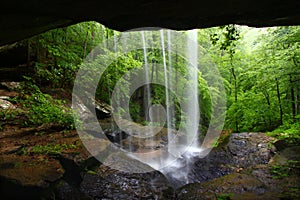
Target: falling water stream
193,108
147,98
187,146
168,116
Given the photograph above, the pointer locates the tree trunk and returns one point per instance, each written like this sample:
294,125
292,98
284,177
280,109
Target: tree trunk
293,105
297,98
152,71
279,101
93,41
267,97
235,91
85,44
28,53
297,106
156,74
38,49
176,68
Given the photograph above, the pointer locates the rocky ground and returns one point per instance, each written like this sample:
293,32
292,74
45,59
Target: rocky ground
249,166
46,162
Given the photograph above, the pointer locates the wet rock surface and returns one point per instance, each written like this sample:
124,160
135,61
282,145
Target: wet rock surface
242,151
112,184
247,167
255,182
71,173
27,176
102,182
46,162
232,183
117,186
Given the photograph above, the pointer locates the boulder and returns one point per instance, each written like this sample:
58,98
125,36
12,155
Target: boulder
27,177
233,186
242,151
106,182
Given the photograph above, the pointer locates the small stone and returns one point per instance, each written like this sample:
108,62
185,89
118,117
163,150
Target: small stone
11,85
239,170
259,145
4,97
4,104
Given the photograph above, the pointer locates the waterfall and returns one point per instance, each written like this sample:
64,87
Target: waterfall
181,144
165,72
147,95
192,93
188,146
170,145
168,116
171,107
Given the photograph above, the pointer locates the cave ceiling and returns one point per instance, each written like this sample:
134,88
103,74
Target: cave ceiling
22,19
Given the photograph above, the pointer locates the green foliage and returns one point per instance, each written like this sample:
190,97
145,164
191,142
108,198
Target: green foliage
50,148
289,131
43,109
281,171
60,52
8,114
223,139
261,73
113,74
259,68
135,110
226,38
224,196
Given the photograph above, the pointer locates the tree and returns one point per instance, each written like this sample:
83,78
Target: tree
59,52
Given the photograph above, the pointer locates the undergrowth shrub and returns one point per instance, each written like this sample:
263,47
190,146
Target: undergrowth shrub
43,109
289,131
